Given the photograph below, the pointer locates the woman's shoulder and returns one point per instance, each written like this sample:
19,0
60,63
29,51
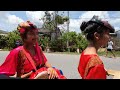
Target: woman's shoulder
16,50
90,55
94,60
95,57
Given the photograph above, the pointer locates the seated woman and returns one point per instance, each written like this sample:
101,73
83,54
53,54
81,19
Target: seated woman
17,62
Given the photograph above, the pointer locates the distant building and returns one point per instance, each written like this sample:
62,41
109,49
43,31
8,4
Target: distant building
118,34
116,40
44,31
2,32
49,33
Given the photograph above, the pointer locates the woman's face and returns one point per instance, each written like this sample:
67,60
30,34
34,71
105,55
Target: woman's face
31,37
104,38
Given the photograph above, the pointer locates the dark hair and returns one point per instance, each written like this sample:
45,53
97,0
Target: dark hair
95,25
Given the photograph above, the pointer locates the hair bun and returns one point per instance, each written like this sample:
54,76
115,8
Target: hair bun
83,26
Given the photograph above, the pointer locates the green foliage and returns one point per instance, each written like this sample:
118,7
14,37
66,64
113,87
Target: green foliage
71,37
60,20
65,19
49,25
44,42
57,45
75,41
81,42
9,40
3,41
12,37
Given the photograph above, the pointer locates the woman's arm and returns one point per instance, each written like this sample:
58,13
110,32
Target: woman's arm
26,75
10,64
97,72
51,71
22,76
48,65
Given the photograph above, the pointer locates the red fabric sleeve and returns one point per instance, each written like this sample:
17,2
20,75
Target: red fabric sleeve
10,65
97,72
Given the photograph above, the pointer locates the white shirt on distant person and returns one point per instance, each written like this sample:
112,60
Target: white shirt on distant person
110,45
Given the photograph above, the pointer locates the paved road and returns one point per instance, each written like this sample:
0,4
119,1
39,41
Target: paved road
68,63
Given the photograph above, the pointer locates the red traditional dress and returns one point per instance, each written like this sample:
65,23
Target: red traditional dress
91,67
16,61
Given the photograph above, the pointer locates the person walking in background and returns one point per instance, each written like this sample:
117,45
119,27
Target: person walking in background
110,47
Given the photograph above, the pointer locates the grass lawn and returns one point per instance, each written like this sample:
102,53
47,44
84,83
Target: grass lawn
117,53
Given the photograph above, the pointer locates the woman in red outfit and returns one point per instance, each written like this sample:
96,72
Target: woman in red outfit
97,33
17,62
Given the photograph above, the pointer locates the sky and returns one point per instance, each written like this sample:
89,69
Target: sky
10,19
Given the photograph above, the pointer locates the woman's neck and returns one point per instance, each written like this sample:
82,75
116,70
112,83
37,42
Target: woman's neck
91,49
28,47
94,45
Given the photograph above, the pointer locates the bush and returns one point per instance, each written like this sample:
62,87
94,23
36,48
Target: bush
3,41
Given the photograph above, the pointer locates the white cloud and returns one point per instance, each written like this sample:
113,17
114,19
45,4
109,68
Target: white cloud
75,23
117,28
12,19
104,15
9,22
115,23
90,14
34,16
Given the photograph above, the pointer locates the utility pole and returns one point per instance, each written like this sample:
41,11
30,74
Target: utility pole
56,13
68,32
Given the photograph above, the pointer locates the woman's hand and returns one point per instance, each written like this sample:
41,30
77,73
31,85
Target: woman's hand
106,72
52,73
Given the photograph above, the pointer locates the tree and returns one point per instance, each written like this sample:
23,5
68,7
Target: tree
12,37
51,23
76,40
81,42
3,41
44,42
72,39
